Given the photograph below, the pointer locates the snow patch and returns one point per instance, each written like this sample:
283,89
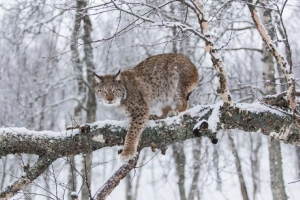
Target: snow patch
46,133
214,118
173,120
196,111
257,107
151,124
99,138
102,124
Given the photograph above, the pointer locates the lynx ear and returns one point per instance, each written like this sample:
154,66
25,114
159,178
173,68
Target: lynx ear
118,76
98,79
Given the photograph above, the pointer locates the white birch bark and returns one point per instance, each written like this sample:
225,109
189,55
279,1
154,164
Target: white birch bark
285,67
216,59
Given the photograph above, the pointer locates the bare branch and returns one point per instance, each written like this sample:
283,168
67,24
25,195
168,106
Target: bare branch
285,35
115,179
28,176
132,13
243,48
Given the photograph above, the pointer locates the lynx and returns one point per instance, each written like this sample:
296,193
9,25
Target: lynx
155,88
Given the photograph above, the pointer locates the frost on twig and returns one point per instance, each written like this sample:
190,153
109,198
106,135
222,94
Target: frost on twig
285,67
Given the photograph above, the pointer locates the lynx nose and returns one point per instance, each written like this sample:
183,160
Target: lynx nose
109,98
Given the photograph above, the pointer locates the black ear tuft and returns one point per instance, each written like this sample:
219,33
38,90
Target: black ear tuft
118,76
98,79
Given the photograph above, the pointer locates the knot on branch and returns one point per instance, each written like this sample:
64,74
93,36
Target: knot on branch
162,147
85,128
203,128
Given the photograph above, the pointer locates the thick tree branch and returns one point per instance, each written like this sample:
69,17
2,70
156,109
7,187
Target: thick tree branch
247,117
198,121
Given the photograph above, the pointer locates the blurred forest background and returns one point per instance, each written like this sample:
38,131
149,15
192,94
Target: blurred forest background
50,49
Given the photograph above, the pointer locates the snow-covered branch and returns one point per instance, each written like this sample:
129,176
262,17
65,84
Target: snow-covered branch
196,122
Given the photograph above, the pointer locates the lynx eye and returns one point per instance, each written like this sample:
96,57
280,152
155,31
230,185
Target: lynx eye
102,91
116,90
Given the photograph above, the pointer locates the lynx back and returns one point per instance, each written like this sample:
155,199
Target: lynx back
154,89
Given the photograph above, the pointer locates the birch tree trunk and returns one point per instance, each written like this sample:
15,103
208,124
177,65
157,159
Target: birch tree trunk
77,64
238,168
298,160
256,141
129,189
91,99
180,162
275,158
194,190
276,171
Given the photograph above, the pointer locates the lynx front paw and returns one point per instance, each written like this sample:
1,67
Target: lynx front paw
127,155
172,113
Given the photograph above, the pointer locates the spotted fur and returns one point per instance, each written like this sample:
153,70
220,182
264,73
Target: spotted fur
153,89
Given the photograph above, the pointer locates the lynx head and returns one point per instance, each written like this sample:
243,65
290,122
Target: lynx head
109,89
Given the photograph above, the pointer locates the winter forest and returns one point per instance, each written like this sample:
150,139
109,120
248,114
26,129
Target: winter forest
239,139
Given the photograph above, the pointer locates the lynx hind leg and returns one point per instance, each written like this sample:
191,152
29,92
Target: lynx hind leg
181,103
173,78
132,138
180,91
